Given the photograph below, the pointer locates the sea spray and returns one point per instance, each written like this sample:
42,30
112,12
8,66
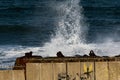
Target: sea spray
70,32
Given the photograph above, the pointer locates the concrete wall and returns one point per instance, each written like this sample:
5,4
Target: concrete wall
12,75
33,71
65,71
18,75
6,75
46,71
101,71
113,71
118,70
59,71
73,69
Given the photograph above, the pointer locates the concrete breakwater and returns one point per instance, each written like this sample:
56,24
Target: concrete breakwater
91,67
109,70
74,71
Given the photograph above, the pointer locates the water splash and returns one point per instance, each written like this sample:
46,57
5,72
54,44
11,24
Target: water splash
69,27
71,33
70,30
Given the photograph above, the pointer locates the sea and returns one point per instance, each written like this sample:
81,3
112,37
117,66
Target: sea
45,27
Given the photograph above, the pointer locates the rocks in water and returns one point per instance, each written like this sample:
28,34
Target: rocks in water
59,54
20,62
28,54
92,54
85,55
77,55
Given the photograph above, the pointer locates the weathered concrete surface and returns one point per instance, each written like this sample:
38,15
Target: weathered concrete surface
1,75
12,75
73,69
6,75
59,71
46,71
18,75
113,71
65,71
118,70
32,71
101,71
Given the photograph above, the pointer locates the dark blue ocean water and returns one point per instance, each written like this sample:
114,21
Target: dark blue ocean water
31,22
28,24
